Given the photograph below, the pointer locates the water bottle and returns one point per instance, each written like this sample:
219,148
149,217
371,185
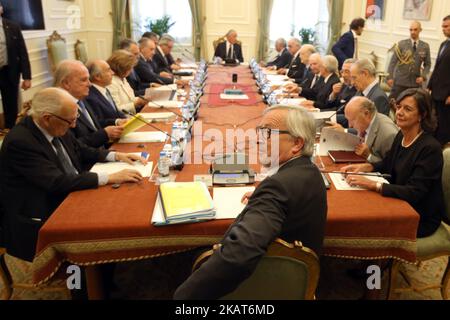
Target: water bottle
164,167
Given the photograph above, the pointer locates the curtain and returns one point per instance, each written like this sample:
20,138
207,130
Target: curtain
336,10
198,36
121,26
265,11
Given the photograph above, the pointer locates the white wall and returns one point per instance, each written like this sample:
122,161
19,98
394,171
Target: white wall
93,26
380,38
241,15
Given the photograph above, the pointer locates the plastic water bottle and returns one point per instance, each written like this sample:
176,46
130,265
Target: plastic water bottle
164,167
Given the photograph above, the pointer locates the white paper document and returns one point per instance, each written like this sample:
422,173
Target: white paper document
227,201
334,140
165,104
159,95
114,167
224,96
143,137
157,116
277,77
341,184
168,87
189,66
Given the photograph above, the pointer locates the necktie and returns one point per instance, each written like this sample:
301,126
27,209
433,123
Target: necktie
230,52
415,46
63,157
111,100
86,114
313,83
362,136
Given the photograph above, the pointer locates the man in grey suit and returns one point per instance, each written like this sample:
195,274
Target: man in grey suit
377,131
411,63
364,77
291,205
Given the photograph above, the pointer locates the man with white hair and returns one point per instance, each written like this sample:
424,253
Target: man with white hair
305,53
364,77
41,163
291,204
283,57
73,77
230,49
296,68
163,59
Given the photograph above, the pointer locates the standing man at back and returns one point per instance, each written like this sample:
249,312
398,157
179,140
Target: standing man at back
347,46
14,62
410,64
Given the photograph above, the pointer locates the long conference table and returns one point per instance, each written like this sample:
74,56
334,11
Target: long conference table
107,225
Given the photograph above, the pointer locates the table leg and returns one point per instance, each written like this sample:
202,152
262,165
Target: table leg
94,283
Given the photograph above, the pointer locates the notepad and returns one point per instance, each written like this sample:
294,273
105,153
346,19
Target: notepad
224,96
228,201
143,137
133,124
114,167
345,157
340,182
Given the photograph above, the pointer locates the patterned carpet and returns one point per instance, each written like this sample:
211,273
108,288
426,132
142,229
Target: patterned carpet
157,279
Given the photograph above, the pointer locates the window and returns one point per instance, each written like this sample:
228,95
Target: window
289,16
178,10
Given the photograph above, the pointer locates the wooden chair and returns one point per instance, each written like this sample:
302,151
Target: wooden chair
286,272
434,246
5,281
57,50
81,51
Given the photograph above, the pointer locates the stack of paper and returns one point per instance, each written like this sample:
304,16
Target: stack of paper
143,137
228,201
340,182
114,167
224,96
183,202
157,116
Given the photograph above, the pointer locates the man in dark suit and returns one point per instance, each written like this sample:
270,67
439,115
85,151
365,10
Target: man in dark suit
364,77
73,77
440,86
145,68
99,98
283,58
162,59
347,46
230,49
305,53
343,92
14,63
291,205
296,68
41,163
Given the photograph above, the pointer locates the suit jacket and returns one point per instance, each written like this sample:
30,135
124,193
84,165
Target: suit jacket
296,68
345,48
379,97
18,61
346,94
136,84
323,93
123,94
291,205
381,137
308,92
221,51
146,72
161,63
405,75
282,60
440,81
33,183
94,137
105,113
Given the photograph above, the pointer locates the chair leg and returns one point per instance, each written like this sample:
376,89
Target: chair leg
446,281
7,291
393,272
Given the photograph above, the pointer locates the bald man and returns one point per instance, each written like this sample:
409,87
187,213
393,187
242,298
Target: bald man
230,49
41,163
411,63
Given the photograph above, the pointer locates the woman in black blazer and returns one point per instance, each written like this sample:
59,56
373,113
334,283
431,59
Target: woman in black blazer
414,163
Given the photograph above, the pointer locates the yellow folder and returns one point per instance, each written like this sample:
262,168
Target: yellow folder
133,124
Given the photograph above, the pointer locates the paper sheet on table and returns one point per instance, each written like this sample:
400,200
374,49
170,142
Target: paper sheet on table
189,66
277,77
228,201
324,115
143,137
160,95
292,102
270,72
157,116
188,78
114,167
224,96
341,184
168,87
166,104
186,70
335,140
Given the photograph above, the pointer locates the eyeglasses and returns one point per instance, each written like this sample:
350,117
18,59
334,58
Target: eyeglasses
69,122
266,133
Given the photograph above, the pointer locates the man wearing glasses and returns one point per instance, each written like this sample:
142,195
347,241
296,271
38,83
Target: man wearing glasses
291,204
41,163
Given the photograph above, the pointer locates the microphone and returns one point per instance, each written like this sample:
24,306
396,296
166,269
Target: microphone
162,107
150,125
